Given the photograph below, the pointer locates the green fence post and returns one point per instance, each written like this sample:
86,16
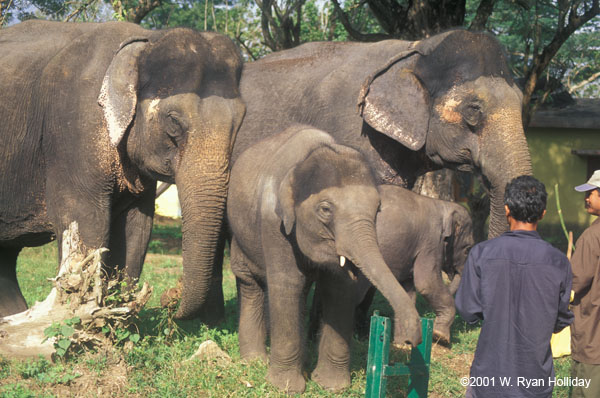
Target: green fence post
420,360
378,368
379,355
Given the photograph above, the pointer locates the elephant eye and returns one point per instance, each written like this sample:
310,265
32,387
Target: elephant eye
325,211
472,113
175,126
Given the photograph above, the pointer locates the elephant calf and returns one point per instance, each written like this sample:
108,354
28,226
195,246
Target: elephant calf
299,205
419,237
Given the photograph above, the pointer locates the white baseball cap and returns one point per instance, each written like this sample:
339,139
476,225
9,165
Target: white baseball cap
592,183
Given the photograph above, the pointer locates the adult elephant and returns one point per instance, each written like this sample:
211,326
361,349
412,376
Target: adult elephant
92,116
408,107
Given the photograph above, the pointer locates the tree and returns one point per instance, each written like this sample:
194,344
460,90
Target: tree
535,39
134,10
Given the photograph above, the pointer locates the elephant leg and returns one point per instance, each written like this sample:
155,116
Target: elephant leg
333,366
429,283
316,313
130,232
11,298
361,314
251,298
409,286
286,287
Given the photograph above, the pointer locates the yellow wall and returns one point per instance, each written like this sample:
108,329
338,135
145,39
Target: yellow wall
553,163
167,204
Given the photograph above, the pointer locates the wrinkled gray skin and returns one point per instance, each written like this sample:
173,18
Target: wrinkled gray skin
92,116
297,203
419,237
446,101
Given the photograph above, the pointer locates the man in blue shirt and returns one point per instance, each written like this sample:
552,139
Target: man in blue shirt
519,286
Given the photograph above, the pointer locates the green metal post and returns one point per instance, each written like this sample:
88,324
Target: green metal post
378,368
379,355
420,360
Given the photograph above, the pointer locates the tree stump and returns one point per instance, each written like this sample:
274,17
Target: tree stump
80,290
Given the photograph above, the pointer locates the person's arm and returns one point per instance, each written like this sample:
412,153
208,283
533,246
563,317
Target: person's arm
467,300
565,316
583,268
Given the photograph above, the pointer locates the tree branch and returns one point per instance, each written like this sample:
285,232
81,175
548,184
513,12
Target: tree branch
82,7
4,6
243,44
483,13
137,14
572,89
356,35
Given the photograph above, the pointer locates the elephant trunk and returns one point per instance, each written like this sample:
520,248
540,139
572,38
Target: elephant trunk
359,244
202,180
202,209
504,157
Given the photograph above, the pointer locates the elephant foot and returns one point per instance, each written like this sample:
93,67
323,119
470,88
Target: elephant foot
290,380
331,379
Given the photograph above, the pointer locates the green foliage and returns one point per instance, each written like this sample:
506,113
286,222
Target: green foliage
526,31
44,372
5,370
121,335
17,391
61,333
156,246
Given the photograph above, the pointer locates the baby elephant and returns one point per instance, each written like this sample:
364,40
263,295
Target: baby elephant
419,238
299,205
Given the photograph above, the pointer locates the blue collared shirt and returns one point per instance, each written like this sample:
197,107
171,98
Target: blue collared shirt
519,286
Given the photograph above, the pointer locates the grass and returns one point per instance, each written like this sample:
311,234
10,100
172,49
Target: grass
158,365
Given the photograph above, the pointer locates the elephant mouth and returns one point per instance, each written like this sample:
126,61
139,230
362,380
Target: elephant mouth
347,267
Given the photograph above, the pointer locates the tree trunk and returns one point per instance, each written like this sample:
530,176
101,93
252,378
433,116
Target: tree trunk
437,184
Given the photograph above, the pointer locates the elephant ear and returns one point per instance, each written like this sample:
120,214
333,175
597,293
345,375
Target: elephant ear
393,102
285,204
118,95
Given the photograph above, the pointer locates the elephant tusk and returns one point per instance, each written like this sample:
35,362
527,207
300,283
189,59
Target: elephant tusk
342,261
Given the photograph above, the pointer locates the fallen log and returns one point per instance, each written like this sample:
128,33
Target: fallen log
81,290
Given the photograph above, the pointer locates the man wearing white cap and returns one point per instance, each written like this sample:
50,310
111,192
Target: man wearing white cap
585,329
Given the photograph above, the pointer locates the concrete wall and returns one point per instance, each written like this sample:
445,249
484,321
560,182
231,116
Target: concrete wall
553,163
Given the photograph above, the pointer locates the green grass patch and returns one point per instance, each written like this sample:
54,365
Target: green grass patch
158,364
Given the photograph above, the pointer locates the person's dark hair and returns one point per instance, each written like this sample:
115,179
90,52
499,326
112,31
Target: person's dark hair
525,197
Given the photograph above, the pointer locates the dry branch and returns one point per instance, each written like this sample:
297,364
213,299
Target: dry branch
80,290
